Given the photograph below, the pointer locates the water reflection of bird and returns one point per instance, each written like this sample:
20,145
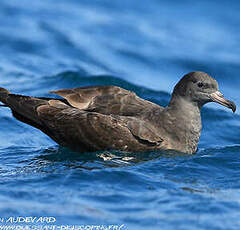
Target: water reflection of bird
109,117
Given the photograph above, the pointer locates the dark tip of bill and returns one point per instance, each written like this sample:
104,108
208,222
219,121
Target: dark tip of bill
233,107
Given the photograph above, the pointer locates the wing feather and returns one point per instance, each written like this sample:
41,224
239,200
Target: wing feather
109,119
106,100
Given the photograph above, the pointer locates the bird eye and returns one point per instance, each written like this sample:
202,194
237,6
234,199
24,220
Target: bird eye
200,84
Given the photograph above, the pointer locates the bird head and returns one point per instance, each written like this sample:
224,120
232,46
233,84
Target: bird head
200,88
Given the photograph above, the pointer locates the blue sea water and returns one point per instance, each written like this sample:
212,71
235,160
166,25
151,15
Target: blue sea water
144,46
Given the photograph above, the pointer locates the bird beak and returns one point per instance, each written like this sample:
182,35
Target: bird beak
218,98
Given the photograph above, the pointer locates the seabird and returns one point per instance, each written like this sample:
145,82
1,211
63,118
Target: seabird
109,117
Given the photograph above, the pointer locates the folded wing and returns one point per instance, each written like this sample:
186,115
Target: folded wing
88,119
106,100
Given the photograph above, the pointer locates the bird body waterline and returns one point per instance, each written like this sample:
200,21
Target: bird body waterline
109,117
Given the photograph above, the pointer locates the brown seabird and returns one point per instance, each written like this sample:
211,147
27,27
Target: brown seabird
109,117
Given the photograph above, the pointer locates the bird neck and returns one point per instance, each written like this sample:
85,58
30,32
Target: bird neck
184,119
185,105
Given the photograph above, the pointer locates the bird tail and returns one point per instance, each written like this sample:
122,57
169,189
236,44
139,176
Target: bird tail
3,96
21,106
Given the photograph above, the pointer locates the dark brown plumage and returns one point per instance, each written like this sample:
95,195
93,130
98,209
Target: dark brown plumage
109,117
